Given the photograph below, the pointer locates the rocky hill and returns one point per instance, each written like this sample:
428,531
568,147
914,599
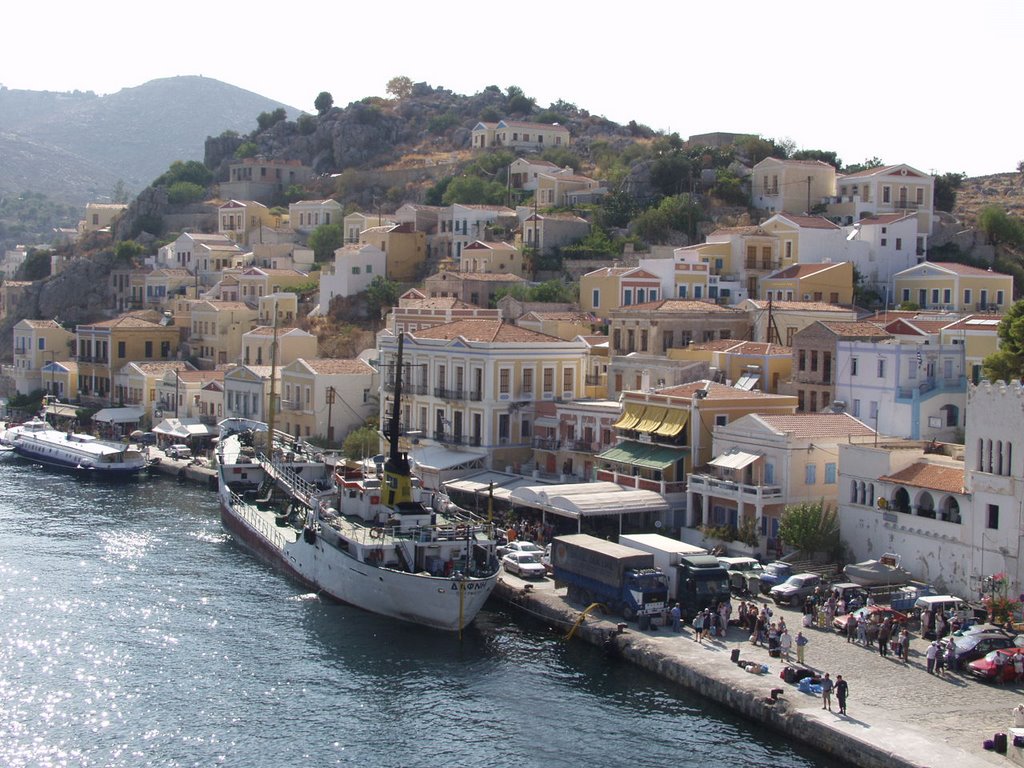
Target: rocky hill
1003,189
74,147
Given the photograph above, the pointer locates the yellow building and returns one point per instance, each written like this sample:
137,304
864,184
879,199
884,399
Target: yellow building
493,259
404,247
326,398
216,332
743,364
665,433
979,335
565,325
795,186
100,216
255,282
105,347
136,384
36,343
241,219
952,286
829,283
292,343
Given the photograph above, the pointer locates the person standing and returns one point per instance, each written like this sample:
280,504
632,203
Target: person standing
930,655
905,644
826,692
851,627
785,643
842,691
801,643
698,626
951,655
883,637
677,618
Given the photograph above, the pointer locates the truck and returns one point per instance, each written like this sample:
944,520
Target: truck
696,580
623,578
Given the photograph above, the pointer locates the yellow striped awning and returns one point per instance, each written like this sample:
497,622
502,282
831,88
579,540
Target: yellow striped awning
673,423
632,416
652,419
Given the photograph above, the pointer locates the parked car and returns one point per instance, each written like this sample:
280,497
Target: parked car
874,614
524,564
178,451
520,546
929,605
545,559
774,574
743,572
996,666
974,645
795,589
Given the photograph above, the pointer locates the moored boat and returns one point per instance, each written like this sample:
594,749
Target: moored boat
39,441
355,534
877,573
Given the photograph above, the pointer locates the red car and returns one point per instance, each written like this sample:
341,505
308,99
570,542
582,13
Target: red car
996,666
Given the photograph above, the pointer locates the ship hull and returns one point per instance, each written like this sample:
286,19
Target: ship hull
444,603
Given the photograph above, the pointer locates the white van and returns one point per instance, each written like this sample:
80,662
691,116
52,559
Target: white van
928,606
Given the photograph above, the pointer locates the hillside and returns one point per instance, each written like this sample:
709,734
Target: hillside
1003,189
74,147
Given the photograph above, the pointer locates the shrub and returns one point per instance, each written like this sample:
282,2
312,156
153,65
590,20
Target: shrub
183,192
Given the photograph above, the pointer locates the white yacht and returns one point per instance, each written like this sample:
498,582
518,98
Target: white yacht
39,441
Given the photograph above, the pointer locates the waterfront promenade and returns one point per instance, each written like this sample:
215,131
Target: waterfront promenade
899,715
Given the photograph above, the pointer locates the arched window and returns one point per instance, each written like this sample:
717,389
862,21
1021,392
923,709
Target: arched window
950,510
853,491
860,494
871,494
926,505
999,457
951,415
901,501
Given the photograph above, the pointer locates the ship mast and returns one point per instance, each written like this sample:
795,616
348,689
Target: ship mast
397,474
273,389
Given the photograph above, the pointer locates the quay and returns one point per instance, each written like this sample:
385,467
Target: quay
899,715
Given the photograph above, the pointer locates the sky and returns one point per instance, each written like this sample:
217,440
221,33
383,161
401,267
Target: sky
932,84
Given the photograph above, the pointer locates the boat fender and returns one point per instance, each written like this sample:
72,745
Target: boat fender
376,533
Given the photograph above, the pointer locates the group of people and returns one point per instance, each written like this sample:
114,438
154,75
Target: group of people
706,624
889,636
841,689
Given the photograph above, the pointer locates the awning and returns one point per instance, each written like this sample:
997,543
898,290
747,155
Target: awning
184,428
734,459
634,412
438,458
624,453
588,500
118,415
660,458
673,424
546,421
62,411
652,419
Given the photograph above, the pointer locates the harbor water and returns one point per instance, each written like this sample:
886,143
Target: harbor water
134,632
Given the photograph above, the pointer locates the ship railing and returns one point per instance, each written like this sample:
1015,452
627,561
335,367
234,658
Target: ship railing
254,519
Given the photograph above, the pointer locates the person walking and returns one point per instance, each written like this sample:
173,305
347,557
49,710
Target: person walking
826,692
698,627
842,691
677,618
851,627
801,643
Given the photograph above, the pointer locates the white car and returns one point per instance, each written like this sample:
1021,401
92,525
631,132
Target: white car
524,564
521,546
178,451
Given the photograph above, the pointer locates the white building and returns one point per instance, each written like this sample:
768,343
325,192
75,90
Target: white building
247,392
353,270
307,215
327,398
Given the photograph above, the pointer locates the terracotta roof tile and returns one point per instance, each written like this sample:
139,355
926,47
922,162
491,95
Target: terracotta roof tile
810,222
964,269
820,425
801,270
800,306
331,365
487,331
855,329
678,305
936,477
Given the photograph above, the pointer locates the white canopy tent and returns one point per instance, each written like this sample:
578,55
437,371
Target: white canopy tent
184,429
126,415
577,501
431,463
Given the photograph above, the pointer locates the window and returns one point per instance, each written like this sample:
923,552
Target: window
721,420
549,380
789,249
811,474
369,269
503,427
967,295
899,243
666,340
121,350
935,295
627,297
919,195
652,294
504,376
830,473
853,366
682,291
567,379
814,360
640,296
355,270
596,298
528,382
643,340
947,296
999,299
856,408
873,410
330,395
886,194
906,294
993,517
698,291
881,368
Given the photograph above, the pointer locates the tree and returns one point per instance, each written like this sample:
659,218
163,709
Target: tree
36,265
399,87
184,192
472,190
825,156
1008,363
517,102
864,165
126,250
323,102
811,527
192,171
361,443
267,119
999,226
946,186
381,293
325,240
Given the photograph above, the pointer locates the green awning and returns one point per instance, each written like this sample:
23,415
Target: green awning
660,458
643,455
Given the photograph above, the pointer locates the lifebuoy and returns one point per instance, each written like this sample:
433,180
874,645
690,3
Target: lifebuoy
375,499
376,533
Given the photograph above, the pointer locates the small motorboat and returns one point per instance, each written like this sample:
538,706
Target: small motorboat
876,573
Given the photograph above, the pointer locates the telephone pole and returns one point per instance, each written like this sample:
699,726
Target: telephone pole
330,425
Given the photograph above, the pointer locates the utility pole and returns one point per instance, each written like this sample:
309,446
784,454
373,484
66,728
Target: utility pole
330,424
809,195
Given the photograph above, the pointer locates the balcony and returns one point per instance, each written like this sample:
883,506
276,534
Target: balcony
664,487
594,379
762,265
407,388
457,394
291,405
906,205
547,443
449,438
730,489
583,446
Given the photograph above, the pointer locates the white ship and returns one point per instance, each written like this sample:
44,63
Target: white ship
357,535
38,441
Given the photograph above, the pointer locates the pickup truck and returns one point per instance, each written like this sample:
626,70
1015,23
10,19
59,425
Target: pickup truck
794,590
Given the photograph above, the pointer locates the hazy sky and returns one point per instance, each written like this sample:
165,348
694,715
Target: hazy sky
933,84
